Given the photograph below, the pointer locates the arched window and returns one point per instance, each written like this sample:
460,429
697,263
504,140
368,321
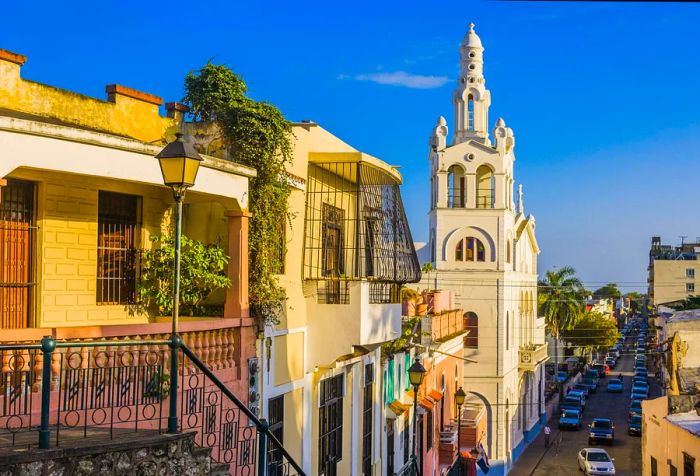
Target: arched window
485,187
471,324
508,251
470,113
456,187
470,249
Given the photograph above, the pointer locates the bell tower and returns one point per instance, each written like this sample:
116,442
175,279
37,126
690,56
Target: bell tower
471,98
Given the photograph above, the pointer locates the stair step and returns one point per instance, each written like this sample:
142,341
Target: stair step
219,469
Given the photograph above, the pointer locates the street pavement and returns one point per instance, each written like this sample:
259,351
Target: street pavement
560,459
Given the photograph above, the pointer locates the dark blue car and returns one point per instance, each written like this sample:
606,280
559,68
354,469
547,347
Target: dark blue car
570,419
634,425
602,430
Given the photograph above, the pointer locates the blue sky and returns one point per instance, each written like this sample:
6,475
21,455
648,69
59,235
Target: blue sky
603,98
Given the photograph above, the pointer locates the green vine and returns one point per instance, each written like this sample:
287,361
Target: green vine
256,134
202,271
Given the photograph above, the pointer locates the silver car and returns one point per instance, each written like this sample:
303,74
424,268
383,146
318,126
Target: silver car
595,461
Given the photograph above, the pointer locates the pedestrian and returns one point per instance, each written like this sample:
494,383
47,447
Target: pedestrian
547,431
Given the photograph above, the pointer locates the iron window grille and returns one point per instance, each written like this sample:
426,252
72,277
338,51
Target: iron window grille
276,421
118,230
384,293
406,434
356,227
688,465
331,424
16,253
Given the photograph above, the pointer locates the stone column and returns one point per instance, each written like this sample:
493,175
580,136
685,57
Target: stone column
237,295
3,182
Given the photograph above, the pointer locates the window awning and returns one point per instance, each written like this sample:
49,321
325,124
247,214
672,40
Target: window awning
435,395
396,409
426,403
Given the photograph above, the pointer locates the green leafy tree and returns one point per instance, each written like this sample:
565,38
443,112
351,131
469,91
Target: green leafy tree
692,302
591,332
636,300
428,269
560,302
202,271
610,290
256,134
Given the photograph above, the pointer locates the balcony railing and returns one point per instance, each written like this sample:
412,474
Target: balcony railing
437,327
531,356
55,393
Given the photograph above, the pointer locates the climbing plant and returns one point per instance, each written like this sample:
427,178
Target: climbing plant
256,134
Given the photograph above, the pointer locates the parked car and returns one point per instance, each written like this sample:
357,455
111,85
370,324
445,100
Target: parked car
602,429
610,362
582,387
571,403
592,384
634,425
562,376
592,373
579,395
639,395
615,385
640,379
595,461
635,408
570,419
641,373
602,369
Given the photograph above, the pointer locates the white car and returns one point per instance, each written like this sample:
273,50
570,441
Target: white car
595,461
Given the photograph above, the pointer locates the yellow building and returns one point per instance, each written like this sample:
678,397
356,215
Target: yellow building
674,272
670,436
348,249
81,197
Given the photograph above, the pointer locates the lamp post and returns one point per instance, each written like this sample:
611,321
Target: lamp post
460,395
179,163
416,373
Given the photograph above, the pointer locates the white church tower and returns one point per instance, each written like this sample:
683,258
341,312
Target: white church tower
484,248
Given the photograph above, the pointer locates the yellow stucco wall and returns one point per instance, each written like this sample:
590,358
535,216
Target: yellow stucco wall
65,263
125,115
670,280
294,419
664,441
289,358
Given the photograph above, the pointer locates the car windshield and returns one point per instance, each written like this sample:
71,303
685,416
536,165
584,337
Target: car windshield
614,382
636,420
601,424
599,457
636,405
569,414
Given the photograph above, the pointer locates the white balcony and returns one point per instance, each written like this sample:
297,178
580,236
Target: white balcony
336,328
531,356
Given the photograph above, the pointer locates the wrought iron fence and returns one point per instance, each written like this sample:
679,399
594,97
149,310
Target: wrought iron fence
63,391
410,468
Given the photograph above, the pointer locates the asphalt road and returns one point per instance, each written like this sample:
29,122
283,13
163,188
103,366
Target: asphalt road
626,449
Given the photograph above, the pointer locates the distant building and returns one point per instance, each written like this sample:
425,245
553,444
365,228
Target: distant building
671,424
673,271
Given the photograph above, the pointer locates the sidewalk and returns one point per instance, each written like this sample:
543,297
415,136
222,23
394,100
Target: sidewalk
535,451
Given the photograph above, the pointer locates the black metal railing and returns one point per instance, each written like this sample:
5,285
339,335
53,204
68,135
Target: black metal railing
53,393
410,468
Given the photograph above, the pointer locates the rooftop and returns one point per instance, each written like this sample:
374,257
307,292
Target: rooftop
689,421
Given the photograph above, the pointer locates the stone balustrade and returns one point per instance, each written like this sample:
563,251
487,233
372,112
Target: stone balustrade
531,356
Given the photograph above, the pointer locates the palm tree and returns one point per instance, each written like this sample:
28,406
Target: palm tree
560,297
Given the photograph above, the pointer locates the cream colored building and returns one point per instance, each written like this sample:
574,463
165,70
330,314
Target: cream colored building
348,249
483,246
674,272
670,436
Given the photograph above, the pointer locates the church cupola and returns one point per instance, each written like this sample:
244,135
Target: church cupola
471,98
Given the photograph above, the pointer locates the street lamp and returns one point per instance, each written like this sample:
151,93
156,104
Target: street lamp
179,163
460,395
416,373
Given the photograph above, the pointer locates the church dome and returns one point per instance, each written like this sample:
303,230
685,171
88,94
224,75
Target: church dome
471,39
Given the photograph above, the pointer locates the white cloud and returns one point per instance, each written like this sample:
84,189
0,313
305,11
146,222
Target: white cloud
404,79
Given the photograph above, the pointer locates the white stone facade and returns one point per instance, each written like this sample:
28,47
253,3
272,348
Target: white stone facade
483,246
